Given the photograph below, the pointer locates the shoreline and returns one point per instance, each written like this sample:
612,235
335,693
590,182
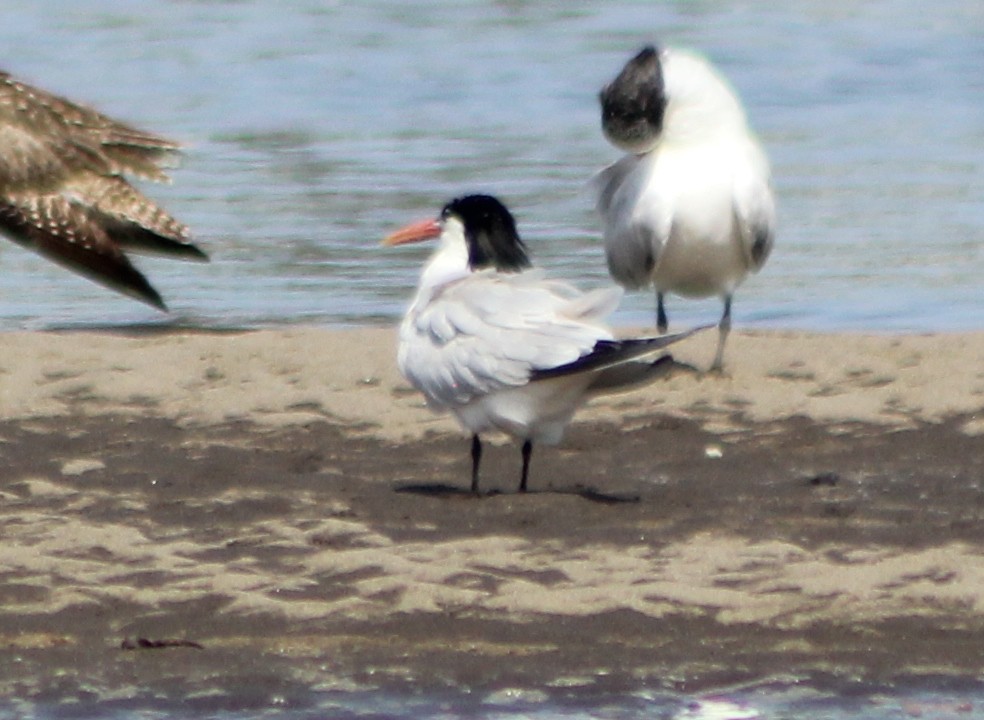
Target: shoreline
284,377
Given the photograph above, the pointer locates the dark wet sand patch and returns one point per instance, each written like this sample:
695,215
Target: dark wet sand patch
228,536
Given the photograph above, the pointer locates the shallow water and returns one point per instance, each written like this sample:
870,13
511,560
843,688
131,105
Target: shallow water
314,128
785,700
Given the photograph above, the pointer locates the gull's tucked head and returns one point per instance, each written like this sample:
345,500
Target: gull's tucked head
668,96
634,103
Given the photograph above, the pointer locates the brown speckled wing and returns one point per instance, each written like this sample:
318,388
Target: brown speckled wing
66,234
99,141
129,218
63,194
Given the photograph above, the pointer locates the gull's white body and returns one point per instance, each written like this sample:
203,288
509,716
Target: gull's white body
471,341
694,212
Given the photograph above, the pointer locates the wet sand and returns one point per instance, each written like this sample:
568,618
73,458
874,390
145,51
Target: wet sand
284,500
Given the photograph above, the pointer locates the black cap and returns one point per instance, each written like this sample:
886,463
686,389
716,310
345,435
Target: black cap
490,232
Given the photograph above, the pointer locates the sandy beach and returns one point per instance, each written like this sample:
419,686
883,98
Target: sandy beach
285,501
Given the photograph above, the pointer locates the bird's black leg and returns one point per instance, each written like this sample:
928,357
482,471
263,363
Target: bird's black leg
724,327
527,452
662,324
476,456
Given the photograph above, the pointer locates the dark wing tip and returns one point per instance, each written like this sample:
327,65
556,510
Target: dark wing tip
195,253
607,353
147,294
64,235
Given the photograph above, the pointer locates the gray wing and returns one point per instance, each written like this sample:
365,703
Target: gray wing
755,209
490,331
634,232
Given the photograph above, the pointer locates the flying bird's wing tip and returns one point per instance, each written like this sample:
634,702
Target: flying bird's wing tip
196,254
156,301
126,280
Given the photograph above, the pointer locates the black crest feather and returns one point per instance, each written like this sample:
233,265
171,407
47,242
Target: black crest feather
490,232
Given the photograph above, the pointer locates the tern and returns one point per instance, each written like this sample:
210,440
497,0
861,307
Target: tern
63,193
501,346
690,208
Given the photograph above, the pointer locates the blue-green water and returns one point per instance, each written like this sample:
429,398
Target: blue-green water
314,128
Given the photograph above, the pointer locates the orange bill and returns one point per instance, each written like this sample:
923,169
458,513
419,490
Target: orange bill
414,232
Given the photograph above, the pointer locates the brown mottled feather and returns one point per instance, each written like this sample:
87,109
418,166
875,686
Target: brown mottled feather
63,232
123,147
63,194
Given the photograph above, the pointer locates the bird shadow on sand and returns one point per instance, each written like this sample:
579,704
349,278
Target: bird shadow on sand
453,492
442,490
